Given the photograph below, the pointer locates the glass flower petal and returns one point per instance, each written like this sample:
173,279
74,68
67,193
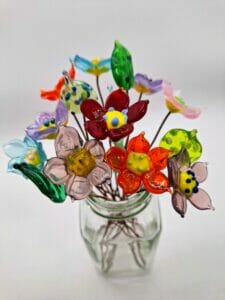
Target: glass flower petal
137,111
15,148
179,202
116,158
82,63
100,174
105,63
56,170
138,144
156,182
201,171
80,188
96,149
118,99
201,200
66,141
117,134
92,109
96,128
129,182
159,157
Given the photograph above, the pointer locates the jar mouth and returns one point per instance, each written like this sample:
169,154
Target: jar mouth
120,209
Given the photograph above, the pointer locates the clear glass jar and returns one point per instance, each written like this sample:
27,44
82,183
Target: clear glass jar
121,237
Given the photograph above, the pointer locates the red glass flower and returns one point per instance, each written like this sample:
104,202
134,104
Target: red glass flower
139,165
115,119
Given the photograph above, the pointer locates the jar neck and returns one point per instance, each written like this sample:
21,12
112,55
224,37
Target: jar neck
120,209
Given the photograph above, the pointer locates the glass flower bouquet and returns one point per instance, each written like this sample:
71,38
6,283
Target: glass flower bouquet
117,180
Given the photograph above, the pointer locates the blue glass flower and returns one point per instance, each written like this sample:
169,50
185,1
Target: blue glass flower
28,151
95,66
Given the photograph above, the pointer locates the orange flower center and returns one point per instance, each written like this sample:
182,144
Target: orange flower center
138,163
81,162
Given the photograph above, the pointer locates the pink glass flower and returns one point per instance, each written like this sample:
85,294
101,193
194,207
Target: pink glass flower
184,180
176,104
79,168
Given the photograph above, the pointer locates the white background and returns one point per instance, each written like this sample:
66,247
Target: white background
42,256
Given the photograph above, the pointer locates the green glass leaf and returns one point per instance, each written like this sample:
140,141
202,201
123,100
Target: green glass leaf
119,143
122,68
55,192
176,139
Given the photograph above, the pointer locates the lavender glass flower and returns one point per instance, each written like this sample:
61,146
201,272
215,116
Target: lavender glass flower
145,85
184,180
47,123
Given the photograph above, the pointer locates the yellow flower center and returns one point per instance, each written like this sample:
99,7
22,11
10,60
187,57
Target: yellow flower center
138,163
96,70
171,107
141,88
95,61
81,162
188,183
32,158
115,119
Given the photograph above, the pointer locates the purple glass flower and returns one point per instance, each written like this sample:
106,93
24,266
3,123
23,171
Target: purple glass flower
184,180
47,123
145,85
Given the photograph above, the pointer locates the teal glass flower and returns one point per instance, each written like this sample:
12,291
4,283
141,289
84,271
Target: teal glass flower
28,151
95,66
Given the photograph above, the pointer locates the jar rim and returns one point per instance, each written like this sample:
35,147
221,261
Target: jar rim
120,209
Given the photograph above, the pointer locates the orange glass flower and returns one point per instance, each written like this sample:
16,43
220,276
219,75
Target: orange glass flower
139,165
54,94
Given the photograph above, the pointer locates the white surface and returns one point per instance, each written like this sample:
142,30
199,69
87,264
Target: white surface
42,256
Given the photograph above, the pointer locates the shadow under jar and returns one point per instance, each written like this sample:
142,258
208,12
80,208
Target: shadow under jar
121,237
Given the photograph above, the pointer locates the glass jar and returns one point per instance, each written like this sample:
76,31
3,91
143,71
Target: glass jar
121,237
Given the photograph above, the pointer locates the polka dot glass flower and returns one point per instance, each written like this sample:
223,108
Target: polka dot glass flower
139,165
